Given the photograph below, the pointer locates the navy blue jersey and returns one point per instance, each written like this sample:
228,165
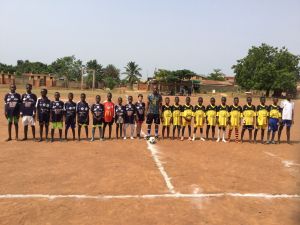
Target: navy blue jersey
97,111
70,111
43,109
119,113
83,112
140,110
130,112
12,104
28,104
57,111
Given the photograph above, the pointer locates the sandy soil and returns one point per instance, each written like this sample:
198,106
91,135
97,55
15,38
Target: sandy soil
127,168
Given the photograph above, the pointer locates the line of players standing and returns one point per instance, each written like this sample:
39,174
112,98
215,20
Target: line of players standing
133,115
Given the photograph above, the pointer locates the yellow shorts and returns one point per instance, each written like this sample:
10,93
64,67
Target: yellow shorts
185,122
176,121
166,121
264,126
57,125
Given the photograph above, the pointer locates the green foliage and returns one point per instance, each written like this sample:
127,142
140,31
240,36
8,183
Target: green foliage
111,76
68,68
173,76
99,73
7,68
132,72
216,75
110,82
32,67
268,68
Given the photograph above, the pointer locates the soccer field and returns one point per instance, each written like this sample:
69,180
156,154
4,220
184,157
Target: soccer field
134,182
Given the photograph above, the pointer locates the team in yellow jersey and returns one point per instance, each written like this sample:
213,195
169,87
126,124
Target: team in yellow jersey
234,116
199,118
262,113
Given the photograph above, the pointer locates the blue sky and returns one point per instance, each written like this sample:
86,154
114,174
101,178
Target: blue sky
193,34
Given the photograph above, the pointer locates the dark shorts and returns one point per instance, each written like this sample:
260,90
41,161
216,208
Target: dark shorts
97,123
44,119
70,122
287,123
273,124
13,119
248,127
153,117
109,123
83,121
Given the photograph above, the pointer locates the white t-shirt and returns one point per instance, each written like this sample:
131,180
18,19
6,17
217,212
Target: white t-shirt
287,109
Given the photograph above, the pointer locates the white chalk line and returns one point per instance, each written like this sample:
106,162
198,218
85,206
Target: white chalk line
154,152
151,196
286,163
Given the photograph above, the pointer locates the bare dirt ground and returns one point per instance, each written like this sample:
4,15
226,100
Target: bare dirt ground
121,182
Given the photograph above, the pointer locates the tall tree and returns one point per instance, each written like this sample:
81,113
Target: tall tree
268,68
99,73
132,71
68,68
111,76
216,75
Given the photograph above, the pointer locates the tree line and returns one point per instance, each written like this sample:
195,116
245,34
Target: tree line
265,68
69,69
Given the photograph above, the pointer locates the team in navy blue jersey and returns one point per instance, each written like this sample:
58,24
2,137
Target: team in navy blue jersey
28,111
56,115
70,116
132,115
83,118
12,102
119,117
97,110
43,113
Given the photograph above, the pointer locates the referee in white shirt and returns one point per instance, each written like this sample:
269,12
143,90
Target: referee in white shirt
287,107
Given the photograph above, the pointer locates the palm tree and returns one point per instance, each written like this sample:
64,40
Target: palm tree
132,70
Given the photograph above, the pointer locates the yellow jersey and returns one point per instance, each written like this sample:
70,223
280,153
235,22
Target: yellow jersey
222,114
199,115
166,115
187,114
211,115
235,113
248,114
274,111
176,114
262,115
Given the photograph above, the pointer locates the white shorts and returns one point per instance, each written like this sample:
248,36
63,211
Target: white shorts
28,120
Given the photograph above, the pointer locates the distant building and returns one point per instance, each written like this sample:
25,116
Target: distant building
40,80
7,78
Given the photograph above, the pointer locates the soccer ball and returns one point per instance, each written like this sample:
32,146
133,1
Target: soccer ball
152,140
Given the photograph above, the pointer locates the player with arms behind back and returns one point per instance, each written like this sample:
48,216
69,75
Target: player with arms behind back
222,118
187,115
28,111
235,117
249,116
166,117
56,115
70,116
43,113
199,118
12,110
97,110
211,117
176,117
262,114
83,118
274,120
140,112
